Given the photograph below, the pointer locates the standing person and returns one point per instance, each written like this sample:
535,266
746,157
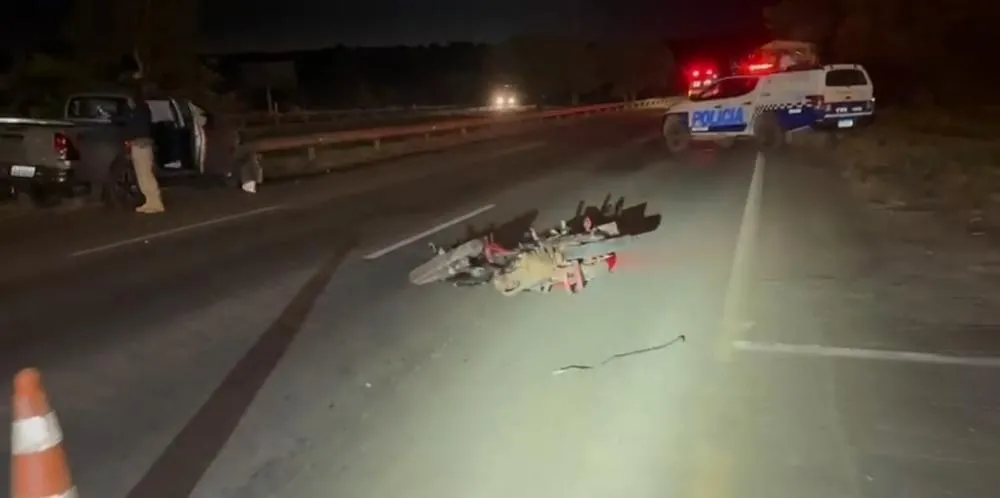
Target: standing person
139,132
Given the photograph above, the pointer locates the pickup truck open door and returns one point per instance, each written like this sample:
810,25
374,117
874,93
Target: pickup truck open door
192,137
179,133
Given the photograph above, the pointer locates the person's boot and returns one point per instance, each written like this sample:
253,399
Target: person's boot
150,209
151,206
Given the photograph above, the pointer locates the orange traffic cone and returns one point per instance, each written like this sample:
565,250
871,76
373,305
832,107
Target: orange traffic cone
38,467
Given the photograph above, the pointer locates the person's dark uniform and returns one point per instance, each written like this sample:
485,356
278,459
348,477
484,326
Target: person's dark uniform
139,132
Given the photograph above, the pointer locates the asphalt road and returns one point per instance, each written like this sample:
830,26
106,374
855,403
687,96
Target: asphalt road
281,351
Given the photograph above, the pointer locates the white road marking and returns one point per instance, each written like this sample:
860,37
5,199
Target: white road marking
430,231
866,354
175,231
733,314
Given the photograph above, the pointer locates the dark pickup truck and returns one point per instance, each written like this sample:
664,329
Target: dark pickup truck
86,151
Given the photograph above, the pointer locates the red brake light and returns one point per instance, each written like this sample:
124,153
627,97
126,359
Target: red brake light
63,147
756,68
701,73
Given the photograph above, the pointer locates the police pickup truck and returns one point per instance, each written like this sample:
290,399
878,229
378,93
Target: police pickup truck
765,107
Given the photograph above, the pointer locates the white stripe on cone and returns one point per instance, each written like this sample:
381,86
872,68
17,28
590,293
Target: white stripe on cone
35,434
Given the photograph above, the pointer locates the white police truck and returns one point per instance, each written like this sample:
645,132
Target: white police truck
766,107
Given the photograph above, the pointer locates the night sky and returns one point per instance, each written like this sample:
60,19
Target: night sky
277,25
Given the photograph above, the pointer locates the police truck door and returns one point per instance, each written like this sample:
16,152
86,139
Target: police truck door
726,107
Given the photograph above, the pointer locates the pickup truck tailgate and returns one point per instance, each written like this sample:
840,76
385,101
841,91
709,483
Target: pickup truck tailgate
32,142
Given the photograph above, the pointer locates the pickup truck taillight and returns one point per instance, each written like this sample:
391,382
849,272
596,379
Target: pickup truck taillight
64,148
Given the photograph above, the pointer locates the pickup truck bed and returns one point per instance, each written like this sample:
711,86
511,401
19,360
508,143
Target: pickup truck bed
56,153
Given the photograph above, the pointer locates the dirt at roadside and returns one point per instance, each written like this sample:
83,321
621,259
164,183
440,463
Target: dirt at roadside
932,182
947,162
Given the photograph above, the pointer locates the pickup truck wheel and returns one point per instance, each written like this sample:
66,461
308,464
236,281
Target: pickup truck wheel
32,197
121,189
676,135
39,197
768,132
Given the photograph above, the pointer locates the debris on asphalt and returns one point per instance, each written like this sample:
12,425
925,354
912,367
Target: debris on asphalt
567,368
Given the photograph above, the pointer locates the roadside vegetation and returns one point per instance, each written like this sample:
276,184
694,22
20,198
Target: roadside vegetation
945,160
104,42
936,142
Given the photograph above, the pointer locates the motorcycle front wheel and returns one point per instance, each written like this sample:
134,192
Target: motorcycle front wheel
442,266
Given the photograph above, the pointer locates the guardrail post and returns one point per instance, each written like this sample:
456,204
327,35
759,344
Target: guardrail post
377,144
311,154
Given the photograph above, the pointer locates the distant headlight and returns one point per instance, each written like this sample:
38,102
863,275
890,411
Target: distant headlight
499,101
511,101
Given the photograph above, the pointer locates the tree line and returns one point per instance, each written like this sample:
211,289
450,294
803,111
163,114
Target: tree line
927,51
919,51
543,69
105,41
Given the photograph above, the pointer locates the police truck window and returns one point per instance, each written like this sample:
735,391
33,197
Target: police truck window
846,77
728,88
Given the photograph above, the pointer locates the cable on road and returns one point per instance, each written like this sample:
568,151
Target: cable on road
665,345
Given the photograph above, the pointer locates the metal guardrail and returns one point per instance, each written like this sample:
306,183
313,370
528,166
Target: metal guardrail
375,135
261,119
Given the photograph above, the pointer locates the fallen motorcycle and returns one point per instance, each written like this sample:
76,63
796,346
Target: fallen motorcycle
560,257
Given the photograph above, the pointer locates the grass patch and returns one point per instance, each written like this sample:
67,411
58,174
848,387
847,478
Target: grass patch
946,160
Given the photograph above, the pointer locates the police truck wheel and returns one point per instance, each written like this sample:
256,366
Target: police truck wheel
832,140
768,132
676,135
